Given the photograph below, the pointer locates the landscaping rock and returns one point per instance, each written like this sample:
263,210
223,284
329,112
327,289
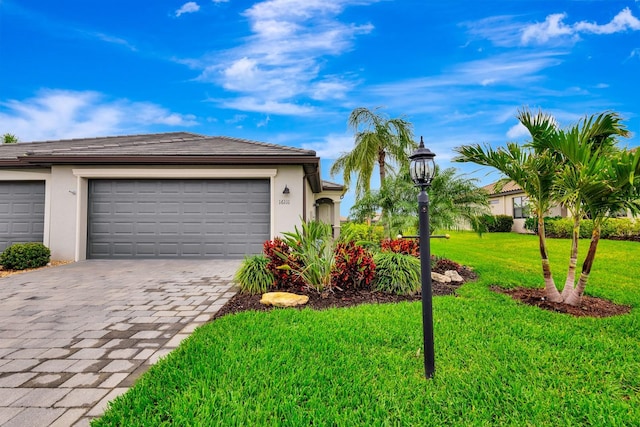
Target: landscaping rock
440,277
454,276
283,299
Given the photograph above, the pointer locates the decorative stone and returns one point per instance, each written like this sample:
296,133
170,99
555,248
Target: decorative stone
283,299
454,276
440,277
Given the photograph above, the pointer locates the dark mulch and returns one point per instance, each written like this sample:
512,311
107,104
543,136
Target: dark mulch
590,306
319,301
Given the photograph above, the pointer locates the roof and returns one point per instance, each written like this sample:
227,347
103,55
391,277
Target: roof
332,186
161,148
508,188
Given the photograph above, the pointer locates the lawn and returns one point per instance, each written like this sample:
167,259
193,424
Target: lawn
498,362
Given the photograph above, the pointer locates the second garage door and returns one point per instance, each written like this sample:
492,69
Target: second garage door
172,218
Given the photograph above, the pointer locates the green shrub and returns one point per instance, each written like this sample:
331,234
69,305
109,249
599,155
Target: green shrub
362,234
503,224
495,223
253,276
312,247
397,273
25,255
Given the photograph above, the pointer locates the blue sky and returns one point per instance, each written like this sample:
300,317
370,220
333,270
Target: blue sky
290,71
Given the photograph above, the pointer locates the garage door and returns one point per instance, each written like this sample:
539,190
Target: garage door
21,212
177,218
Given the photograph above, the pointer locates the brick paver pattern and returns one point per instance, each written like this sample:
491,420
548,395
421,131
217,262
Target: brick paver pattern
74,337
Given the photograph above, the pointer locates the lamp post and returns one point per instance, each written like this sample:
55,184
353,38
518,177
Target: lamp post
422,170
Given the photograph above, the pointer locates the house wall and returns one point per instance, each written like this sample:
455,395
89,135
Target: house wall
502,204
66,196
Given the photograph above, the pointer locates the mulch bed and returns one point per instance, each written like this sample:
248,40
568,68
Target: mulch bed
319,301
590,306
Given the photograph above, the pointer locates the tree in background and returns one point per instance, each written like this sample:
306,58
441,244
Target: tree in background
9,138
378,140
453,201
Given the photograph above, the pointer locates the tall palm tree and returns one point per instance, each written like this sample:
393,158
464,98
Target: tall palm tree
532,171
378,140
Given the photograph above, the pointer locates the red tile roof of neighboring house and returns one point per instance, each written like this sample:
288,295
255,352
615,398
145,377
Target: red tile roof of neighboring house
509,187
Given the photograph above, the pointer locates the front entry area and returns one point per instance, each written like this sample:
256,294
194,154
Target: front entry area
177,218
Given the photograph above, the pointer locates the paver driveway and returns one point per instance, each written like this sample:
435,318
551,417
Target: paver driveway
74,337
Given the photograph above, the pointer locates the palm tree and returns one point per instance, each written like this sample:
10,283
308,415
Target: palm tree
581,168
453,200
616,188
580,153
378,140
532,171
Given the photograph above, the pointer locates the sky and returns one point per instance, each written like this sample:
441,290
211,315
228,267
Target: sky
289,72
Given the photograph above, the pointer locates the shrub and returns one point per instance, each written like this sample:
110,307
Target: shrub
362,234
279,255
354,267
503,224
311,248
397,273
401,246
440,265
253,276
495,223
25,255
531,224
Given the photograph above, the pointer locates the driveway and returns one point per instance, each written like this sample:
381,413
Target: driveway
76,336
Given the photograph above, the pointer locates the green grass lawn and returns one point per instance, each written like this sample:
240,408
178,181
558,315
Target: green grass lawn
498,362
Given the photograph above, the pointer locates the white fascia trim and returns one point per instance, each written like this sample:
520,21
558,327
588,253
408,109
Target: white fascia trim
174,173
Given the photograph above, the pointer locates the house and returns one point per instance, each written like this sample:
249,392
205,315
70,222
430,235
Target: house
511,200
159,195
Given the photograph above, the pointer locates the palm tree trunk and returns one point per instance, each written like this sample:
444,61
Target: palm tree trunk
551,290
569,284
381,164
576,296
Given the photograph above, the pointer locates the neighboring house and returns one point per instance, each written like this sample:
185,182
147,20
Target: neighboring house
512,201
159,195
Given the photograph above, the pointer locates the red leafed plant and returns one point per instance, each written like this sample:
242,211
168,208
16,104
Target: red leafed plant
401,246
281,264
354,267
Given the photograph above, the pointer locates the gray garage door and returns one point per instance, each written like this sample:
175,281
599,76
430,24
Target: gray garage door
21,212
177,218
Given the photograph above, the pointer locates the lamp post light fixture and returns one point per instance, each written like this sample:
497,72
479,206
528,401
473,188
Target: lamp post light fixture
422,170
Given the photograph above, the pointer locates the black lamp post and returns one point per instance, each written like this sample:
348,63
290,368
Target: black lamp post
422,170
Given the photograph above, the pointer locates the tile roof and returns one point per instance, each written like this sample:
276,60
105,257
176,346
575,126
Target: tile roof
149,145
509,187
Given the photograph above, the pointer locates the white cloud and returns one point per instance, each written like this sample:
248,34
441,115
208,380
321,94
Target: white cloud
623,21
189,7
517,131
263,123
60,114
332,146
281,61
635,53
553,27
